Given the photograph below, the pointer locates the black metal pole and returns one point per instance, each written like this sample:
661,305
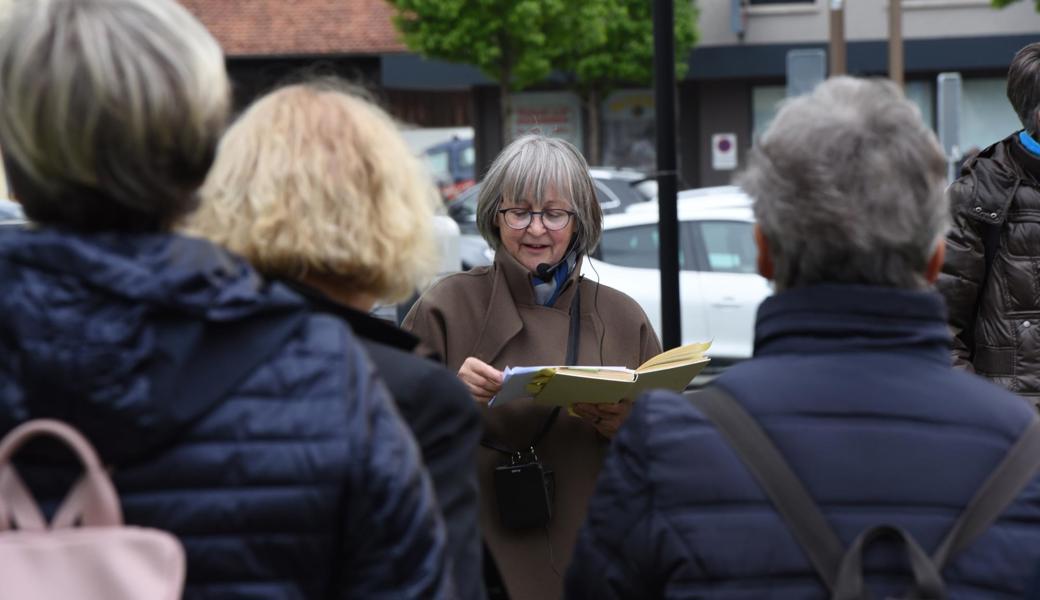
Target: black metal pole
668,224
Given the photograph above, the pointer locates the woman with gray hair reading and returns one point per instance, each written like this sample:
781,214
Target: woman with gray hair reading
251,429
538,211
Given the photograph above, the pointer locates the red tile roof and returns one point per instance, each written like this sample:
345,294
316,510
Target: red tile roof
273,27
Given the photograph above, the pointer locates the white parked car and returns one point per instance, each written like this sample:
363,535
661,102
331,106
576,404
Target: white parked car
719,285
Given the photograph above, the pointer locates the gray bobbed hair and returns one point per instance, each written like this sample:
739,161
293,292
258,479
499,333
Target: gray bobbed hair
525,170
110,110
848,187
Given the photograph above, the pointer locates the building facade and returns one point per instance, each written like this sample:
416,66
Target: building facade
736,75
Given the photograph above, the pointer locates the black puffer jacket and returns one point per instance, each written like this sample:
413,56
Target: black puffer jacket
996,334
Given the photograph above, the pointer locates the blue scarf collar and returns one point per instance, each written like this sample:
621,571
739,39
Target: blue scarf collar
1029,143
546,292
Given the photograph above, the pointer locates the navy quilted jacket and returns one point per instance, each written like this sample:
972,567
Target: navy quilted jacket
299,483
854,386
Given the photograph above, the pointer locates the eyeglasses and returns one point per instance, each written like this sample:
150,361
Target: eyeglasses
553,219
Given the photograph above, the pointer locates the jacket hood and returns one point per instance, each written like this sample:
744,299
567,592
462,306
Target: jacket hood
86,323
994,176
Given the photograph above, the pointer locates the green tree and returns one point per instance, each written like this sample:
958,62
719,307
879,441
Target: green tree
1003,3
618,49
513,42
598,44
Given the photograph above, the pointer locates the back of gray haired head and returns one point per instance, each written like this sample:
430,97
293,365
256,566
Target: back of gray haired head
110,110
526,169
848,187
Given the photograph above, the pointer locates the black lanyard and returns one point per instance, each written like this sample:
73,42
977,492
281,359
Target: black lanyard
572,358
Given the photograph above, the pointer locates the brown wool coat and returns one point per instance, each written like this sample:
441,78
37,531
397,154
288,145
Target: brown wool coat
491,313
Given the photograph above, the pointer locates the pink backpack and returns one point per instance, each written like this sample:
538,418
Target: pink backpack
101,558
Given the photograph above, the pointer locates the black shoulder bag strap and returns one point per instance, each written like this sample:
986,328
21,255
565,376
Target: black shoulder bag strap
787,493
573,339
1003,485
841,571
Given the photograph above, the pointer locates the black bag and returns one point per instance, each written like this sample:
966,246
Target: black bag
842,570
525,491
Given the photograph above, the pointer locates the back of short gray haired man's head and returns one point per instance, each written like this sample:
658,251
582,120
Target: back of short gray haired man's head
110,110
526,169
848,187
1023,87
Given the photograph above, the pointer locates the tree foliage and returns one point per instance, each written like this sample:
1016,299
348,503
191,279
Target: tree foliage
617,50
600,42
623,52
597,44
502,38
1003,3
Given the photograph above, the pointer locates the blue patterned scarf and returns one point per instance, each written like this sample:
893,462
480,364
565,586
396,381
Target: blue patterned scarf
547,291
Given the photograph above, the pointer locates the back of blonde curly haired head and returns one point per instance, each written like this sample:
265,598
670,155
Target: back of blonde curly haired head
314,179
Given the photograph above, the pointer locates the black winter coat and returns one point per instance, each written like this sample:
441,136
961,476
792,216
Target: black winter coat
439,410
997,333
302,482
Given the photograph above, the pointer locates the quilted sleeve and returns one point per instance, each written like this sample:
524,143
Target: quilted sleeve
963,271
394,538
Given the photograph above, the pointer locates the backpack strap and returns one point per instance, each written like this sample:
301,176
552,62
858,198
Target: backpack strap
841,571
789,496
220,356
17,506
928,583
94,497
1003,485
